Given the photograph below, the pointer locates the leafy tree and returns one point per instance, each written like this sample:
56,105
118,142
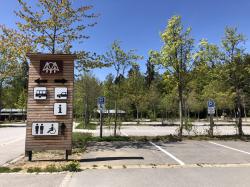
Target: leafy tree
236,68
54,25
120,60
150,73
13,62
135,88
87,90
175,57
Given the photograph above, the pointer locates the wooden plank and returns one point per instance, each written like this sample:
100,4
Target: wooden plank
43,110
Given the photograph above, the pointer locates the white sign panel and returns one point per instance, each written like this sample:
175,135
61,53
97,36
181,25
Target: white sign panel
45,129
211,111
61,93
40,93
60,109
211,107
101,103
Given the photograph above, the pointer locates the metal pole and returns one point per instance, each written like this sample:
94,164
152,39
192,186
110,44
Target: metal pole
211,125
101,122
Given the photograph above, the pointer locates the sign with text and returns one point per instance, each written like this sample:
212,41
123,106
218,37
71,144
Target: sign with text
51,67
45,129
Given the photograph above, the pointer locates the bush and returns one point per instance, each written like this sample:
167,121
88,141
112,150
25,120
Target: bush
73,166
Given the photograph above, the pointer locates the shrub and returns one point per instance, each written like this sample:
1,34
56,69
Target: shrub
73,166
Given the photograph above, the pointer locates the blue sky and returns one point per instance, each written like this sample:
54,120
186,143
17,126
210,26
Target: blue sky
137,23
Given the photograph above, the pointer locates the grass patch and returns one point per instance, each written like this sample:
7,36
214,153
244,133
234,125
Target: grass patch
90,126
52,168
73,166
16,169
5,170
221,137
34,170
9,170
80,140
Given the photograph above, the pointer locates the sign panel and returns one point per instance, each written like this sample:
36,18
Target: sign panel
61,93
40,93
51,67
45,129
211,107
60,109
101,103
51,77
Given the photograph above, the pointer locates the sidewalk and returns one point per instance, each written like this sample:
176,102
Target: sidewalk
13,125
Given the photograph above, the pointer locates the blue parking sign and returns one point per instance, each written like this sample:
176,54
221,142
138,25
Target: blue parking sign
101,100
210,104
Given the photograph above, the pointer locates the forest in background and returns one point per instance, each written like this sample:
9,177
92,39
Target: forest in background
192,74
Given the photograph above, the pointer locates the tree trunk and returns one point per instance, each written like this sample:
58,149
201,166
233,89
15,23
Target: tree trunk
239,113
180,108
180,116
86,114
137,115
115,118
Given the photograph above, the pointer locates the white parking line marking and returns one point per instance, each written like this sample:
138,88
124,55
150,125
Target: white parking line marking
169,154
245,152
124,133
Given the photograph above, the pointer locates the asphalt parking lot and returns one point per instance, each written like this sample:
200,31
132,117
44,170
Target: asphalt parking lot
185,163
177,153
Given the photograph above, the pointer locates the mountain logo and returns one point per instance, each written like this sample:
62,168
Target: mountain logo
50,67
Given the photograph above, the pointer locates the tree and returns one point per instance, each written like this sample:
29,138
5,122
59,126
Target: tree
150,73
54,25
120,60
13,62
87,90
135,88
175,57
236,68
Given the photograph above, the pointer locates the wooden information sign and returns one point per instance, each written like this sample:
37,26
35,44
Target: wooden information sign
50,103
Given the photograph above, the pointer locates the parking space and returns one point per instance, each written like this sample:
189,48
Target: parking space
119,153
178,153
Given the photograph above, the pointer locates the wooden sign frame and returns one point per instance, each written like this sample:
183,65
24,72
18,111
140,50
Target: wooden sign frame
42,111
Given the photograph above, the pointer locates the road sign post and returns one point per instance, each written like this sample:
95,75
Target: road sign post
101,106
211,112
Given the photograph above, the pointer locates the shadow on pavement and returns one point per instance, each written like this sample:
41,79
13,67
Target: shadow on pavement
111,158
